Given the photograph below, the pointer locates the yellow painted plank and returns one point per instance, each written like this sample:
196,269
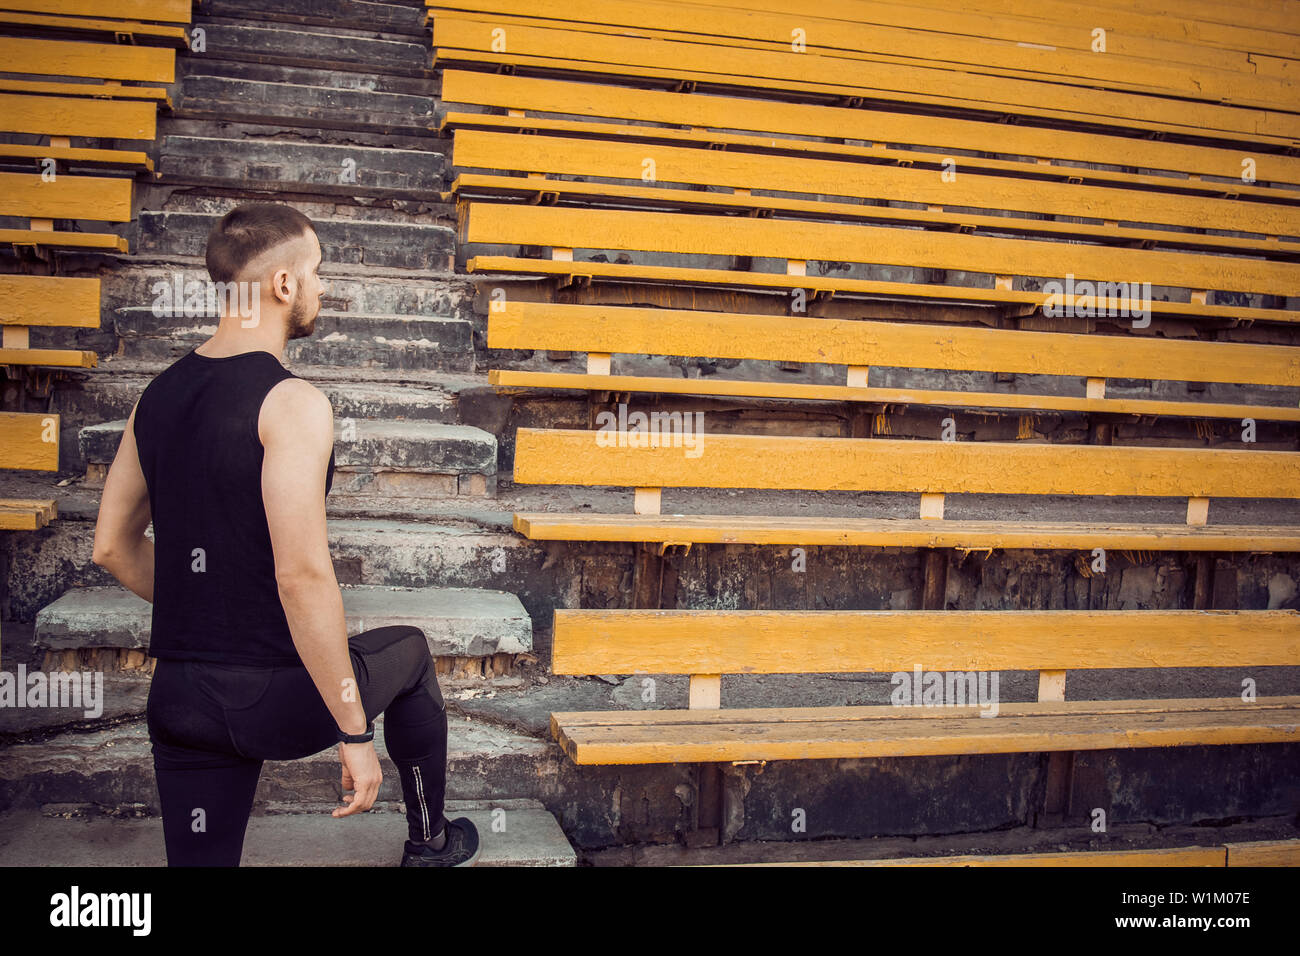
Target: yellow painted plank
687,234
167,11
175,35
519,381
67,196
634,56
883,44
60,358
21,519
796,642
824,178
582,457
82,157
46,507
1264,853
77,116
49,301
29,441
937,156
1027,20
102,61
780,740
108,91
902,532
741,200
682,332
873,714
1173,856
964,23
677,275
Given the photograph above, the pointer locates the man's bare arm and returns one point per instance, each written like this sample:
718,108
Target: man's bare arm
121,547
297,430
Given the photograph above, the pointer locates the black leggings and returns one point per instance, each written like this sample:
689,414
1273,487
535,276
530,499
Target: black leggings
212,726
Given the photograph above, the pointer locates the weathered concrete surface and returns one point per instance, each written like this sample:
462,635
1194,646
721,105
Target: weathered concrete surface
340,339
363,445
391,244
511,833
462,622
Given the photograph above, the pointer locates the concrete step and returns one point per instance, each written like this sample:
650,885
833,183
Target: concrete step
344,170
332,48
113,768
400,245
383,458
325,106
363,291
389,17
511,833
458,622
339,339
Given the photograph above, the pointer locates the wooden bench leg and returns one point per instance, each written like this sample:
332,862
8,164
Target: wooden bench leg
935,585
708,819
1060,784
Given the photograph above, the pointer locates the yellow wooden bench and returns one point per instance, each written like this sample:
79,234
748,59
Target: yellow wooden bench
61,119
707,644
28,441
470,39
1255,853
615,112
930,469
46,301
93,198
160,11
925,40
602,331
954,205
124,30
565,230
98,61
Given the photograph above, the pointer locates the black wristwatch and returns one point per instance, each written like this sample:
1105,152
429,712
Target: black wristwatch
359,738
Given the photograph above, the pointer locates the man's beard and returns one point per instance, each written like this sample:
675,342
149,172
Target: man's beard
301,324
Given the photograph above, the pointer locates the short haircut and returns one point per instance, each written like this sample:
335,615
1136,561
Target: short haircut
246,232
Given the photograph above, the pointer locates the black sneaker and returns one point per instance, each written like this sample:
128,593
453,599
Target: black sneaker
461,848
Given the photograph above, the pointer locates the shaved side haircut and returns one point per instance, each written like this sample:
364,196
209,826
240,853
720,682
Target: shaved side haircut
246,232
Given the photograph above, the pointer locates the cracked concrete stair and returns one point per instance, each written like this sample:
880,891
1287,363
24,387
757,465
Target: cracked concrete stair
400,459
492,774
341,339
458,622
56,836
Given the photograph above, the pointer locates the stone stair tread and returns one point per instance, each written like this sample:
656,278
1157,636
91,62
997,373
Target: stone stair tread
466,622
531,837
117,368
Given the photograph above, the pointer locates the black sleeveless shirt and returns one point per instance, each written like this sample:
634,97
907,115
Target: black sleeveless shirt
215,594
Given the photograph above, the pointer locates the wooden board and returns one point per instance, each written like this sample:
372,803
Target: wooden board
836,642
581,457
683,234
57,358
77,116
29,441
464,39
68,196
902,532
101,61
734,278
166,11
713,386
710,112
651,331
49,301
691,740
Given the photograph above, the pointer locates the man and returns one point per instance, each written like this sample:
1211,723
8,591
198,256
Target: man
231,456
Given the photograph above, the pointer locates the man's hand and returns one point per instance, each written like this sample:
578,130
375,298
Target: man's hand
360,773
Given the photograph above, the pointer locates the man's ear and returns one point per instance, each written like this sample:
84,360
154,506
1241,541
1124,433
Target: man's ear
283,284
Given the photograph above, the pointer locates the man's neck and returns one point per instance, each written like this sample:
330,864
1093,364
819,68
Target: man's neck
232,339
